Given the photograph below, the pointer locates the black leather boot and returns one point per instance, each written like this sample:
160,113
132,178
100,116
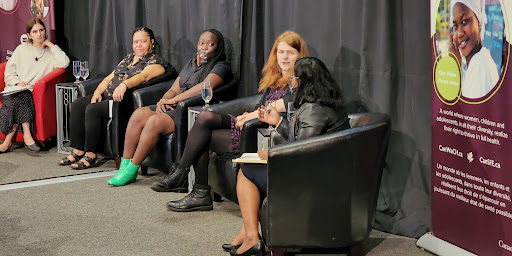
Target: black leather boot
199,199
175,181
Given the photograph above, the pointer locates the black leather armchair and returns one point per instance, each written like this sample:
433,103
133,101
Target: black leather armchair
322,191
121,112
222,172
170,147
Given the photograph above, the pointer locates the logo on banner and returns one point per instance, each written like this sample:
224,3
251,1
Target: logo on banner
23,38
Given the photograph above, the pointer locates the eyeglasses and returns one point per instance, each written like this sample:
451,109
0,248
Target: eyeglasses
294,81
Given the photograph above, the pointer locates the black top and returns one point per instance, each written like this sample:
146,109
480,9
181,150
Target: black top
190,72
313,119
125,70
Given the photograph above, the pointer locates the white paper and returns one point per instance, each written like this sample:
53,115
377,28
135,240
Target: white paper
13,89
252,156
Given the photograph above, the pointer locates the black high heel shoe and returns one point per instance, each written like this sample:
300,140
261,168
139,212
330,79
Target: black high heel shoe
229,247
11,148
256,250
33,147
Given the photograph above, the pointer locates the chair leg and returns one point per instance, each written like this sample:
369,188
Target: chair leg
355,250
143,170
118,162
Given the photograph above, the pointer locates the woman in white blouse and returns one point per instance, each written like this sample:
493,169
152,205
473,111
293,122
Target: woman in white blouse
29,62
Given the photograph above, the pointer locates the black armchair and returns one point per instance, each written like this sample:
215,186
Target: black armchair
222,172
121,112
170,147
322,191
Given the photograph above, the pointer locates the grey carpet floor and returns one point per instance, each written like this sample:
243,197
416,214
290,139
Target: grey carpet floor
88,217
23,164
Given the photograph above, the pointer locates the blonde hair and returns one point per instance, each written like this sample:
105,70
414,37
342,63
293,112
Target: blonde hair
271,75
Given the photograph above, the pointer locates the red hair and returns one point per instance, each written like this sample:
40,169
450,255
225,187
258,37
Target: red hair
271,75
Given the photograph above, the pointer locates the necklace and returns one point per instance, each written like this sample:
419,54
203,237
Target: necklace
38,57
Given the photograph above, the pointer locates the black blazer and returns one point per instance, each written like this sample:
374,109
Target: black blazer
312,119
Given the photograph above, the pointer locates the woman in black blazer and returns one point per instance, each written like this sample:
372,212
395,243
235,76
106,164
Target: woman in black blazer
320,110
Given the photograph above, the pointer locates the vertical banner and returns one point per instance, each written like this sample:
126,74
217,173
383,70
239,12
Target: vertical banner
472,124
13,17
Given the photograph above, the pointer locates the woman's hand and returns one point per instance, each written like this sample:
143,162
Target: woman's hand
241,119
22,84
269,115
96,97
263,154
163,104
119,92
454,46
242,116
47,43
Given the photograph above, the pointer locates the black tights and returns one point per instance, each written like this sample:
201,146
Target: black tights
211,131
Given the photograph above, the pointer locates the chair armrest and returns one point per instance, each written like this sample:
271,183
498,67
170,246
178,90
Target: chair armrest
2,75
44,102
150,95
237,106
87,87
249,135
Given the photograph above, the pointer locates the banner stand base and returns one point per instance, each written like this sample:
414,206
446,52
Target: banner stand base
440,247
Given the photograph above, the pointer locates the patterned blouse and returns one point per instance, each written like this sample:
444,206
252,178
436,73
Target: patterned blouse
270,95
126,70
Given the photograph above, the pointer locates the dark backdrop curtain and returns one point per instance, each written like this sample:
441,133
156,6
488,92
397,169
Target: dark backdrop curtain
101,31
378,51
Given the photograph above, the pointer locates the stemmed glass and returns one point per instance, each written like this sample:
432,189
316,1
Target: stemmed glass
84,70
290,112
76,70
267,108
202,56
207,93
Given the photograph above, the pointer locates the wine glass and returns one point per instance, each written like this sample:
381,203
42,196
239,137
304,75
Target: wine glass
201,53
202,57
76,70
267,108
207,93
84,70
290,112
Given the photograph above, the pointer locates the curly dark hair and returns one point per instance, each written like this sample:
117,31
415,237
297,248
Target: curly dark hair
220,55
151,35
316,84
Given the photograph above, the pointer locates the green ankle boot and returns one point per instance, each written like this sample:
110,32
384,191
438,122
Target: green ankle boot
124,163
128,175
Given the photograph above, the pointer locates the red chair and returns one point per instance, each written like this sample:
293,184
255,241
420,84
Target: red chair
45,125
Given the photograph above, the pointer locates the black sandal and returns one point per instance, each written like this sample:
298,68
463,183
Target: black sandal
66,161
93,162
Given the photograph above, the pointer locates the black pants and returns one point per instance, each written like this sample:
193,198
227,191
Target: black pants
88,122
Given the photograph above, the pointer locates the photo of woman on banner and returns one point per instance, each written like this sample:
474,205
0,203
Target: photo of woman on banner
8,5
479,71
39,8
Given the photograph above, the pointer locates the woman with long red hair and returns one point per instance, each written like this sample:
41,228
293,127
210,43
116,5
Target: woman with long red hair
220,133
